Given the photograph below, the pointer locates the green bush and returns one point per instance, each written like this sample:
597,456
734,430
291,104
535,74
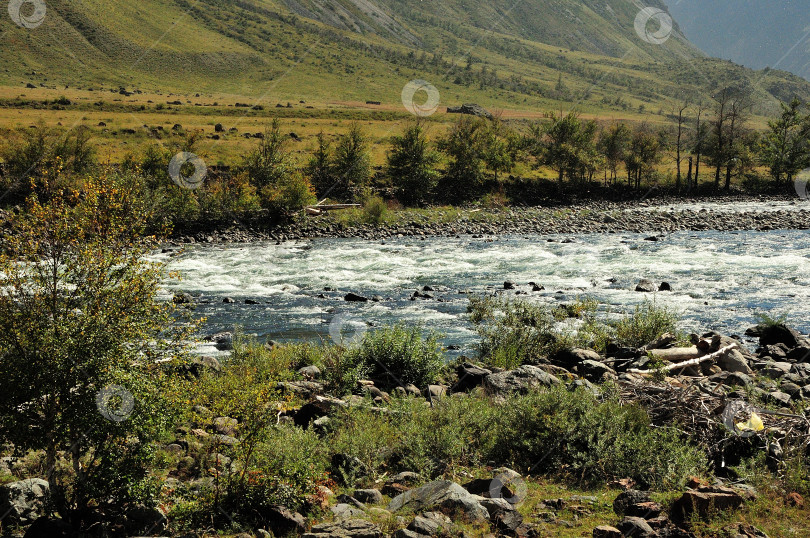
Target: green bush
29,153
289,466
374,210
515,332
290,195
571,434
647,322
568,435
398,356
341,370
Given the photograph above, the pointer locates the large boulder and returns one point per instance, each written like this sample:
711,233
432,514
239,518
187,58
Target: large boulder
706,500
570,358
430,524
777,333
606,531
347,528
595,371
628,498
283,521
24,501
142,519
470,376
734,361
443,495
520,380
370,496
635,526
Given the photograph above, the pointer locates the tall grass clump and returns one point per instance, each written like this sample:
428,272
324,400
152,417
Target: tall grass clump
515,332
647,322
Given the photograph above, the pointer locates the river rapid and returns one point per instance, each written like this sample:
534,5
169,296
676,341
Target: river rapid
719,280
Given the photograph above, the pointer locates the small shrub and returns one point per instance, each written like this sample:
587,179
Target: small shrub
766,320
289,195
645,324
370,437
494,200
374,210
399,356
515,332
341,370
289,466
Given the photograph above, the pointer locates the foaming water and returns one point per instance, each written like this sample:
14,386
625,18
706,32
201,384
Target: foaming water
749,206
720,280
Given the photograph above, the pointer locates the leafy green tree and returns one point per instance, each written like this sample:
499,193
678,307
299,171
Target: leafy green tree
352,164
613,144
320,168
466,147
412,165
82,335
270,163
644,153
501,146
784,148
566,145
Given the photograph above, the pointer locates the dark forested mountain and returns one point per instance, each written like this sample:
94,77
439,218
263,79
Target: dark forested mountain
755,33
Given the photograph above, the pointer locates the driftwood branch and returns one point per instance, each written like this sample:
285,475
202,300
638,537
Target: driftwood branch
690,362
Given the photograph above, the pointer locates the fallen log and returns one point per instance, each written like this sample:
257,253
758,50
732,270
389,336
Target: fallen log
687,363
333,207
676,354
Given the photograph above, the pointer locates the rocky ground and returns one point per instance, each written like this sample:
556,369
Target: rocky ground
647,216
706,389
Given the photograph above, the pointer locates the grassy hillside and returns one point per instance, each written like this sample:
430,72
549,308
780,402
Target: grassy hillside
533,55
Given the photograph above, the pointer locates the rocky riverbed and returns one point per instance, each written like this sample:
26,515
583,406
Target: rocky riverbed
663,215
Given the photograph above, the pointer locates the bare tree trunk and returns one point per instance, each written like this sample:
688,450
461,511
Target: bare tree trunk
681,110
689,176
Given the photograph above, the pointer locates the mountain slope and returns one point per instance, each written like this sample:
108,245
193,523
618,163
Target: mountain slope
756,33
533,54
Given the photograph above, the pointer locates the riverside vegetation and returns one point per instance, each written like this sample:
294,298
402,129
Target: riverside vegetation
110,427
492,163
